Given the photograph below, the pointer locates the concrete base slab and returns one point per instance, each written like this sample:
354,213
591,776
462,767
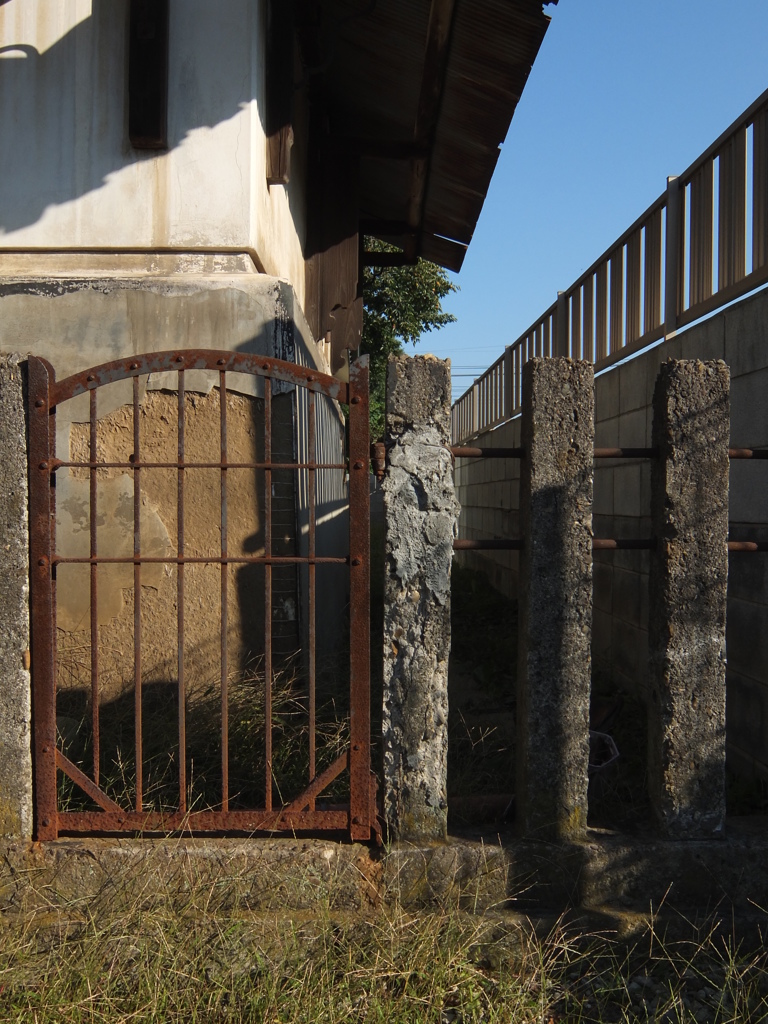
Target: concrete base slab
606,880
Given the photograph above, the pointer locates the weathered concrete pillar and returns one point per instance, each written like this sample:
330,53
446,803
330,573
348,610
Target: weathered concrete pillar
688,582
555,612
420,513
15,696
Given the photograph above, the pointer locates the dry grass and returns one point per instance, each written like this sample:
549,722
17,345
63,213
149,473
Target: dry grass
247,765
173,960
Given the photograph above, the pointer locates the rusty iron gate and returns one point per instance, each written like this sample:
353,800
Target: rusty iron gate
72,794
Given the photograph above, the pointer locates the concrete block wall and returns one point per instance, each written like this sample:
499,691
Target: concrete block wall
489,491
623,415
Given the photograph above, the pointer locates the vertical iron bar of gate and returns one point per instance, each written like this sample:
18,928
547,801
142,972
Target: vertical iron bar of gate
41,453
224,596
94,573
138,744
359,603
268,593
180,599
312,581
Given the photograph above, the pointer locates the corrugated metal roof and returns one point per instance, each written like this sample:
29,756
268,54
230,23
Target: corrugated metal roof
374,80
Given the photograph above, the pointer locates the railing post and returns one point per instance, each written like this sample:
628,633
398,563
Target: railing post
688,583
673,251
561,333
15,695
420,520
509,392
555,615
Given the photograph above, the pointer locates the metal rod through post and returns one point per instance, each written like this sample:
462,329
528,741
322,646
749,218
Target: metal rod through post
94,588
224,598
137,727
268,594
311,569
180,603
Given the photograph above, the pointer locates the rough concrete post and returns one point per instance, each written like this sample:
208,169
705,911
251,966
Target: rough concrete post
420,513
555,612
688,583
15,695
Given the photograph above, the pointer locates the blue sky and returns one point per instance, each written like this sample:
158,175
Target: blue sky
623,93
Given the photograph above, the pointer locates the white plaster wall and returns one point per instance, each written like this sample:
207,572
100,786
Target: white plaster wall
69,178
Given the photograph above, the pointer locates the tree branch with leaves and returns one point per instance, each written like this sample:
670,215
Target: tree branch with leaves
399,305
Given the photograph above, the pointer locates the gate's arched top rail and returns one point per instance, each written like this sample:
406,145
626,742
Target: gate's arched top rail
195,359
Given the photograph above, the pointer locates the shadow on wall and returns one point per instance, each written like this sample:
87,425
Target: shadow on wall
71,135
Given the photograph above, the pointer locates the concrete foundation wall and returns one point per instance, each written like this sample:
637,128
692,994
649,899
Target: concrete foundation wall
488,492
72,180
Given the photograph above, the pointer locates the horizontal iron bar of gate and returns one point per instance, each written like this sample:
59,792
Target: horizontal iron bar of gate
189,821
58,464
747,545
201,560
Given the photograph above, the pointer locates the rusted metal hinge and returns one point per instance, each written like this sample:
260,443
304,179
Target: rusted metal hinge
379,459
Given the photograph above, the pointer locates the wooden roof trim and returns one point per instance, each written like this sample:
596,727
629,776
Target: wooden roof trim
437,49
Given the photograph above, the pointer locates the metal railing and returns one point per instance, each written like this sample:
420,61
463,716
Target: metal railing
701,244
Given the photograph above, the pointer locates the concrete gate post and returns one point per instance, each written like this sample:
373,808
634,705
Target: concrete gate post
420,515
688,584
15,694
555,609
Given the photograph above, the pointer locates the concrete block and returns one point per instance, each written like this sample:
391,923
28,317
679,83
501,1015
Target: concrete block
421,510
747,717
749,411
627,587
603,490
629,650
747,637
688,582
644,600
746,334
747,573
603,526
15,694
607,395
601,640
556,598
749,490
602,584
626,491
607,433
705,340
740,763
511,494
645,488
633,428
632,384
